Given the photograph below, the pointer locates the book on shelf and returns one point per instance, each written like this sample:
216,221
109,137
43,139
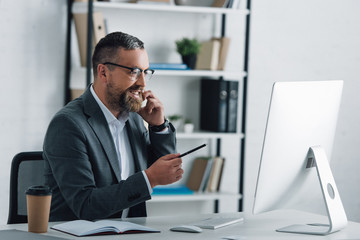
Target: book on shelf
99,31
205,174
172,190
167,2
75,93
233,4
220,3
213,103
224,49
218,111
208,57
220,175
81,228
168,66
197,172
213,184
213,54
232,102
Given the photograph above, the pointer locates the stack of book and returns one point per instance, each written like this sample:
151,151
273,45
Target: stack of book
206,173
219,105
213,54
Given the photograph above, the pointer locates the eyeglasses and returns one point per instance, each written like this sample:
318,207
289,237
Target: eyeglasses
135,72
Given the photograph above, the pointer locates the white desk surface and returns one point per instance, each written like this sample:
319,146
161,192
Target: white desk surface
260,226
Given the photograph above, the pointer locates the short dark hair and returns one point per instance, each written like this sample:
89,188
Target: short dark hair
107,48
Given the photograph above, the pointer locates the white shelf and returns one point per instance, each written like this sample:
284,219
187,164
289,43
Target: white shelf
193,197
207,135
79,7
186,73
200,73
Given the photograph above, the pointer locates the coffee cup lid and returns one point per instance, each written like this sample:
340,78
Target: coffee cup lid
39,190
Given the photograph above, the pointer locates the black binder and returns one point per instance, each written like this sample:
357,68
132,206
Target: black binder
233,95
213,103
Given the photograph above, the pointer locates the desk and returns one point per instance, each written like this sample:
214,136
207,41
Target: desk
260,226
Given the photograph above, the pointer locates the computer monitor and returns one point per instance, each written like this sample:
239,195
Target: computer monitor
297,144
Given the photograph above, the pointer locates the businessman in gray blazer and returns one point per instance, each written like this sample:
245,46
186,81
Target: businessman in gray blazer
100,159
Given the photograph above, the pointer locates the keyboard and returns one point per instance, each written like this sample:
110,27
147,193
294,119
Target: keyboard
217,222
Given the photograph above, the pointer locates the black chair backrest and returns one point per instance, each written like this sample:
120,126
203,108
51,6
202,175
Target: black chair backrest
27,169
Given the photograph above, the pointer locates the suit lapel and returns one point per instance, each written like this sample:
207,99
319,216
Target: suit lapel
101,129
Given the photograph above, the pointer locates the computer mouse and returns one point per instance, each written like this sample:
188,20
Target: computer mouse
186,228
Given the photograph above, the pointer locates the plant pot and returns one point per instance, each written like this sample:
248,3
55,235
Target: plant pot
190,60
188,127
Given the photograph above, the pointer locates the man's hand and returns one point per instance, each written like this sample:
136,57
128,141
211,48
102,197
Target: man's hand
153,111
165,170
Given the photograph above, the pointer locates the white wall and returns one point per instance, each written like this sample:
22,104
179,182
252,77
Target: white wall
32,56
307,40
290,40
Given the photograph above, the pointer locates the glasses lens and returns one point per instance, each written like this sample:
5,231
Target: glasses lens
135,74
148,74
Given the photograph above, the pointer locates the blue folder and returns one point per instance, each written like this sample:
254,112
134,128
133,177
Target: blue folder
172,190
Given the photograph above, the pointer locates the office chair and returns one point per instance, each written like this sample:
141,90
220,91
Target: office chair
27,169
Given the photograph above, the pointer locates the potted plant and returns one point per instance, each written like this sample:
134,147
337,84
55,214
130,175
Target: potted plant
188,126
188,49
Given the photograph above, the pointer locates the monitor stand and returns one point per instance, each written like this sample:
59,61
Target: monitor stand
316,157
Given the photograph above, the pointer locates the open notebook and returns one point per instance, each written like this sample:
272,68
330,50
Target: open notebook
88,228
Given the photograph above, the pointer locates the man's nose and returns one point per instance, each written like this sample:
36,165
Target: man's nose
141,80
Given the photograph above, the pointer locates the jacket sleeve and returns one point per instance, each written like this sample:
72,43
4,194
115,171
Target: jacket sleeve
157,144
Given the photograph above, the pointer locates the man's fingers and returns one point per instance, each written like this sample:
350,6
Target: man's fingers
148,94
171,156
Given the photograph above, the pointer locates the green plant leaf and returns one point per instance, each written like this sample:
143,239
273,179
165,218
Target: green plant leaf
186,46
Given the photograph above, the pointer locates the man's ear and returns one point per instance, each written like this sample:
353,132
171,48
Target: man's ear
102,72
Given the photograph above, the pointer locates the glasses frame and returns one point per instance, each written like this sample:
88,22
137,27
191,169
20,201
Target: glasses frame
146,71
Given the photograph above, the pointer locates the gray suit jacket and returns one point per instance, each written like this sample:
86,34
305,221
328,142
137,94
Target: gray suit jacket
81,164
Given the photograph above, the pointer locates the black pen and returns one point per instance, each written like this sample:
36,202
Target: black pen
192,150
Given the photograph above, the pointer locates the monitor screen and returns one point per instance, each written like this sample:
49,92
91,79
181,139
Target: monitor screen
301,115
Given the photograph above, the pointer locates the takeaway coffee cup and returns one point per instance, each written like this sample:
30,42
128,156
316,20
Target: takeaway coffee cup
38,201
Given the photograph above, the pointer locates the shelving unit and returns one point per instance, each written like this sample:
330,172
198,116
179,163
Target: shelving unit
83,7
200,73
175,75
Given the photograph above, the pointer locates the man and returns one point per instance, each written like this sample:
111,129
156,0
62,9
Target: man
100,160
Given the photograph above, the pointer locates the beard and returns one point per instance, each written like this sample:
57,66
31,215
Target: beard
122,100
